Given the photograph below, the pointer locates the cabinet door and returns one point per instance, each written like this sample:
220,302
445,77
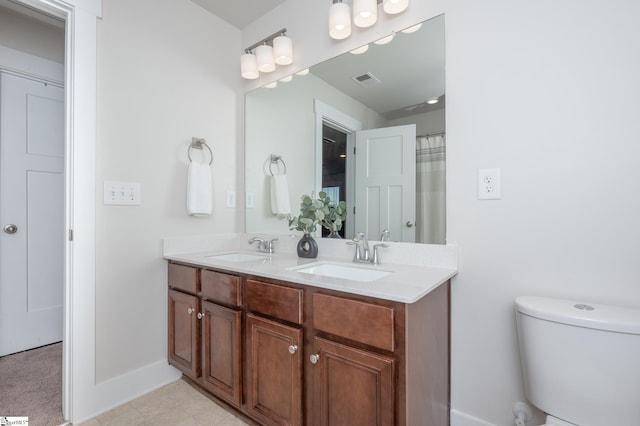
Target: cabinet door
184,333
221,352
352,386
274,367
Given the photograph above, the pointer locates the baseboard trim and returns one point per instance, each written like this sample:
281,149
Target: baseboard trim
126,387
461,419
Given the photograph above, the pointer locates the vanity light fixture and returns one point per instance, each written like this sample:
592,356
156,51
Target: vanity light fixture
365,14
339,20
286,79
271,85
303,72
265,54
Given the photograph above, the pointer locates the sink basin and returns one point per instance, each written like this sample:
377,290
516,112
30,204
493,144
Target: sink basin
345,272
237,257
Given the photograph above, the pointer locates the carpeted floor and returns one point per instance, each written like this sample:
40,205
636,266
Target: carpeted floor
31,385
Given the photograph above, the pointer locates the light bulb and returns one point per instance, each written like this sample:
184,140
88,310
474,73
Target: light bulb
264,56
283,50
365,12
339,21
249,66
392,7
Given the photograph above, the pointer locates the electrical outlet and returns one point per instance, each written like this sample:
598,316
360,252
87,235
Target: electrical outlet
121,193
250,200
489,184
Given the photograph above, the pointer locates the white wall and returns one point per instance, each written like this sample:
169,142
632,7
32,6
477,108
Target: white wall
283,123
167,71
547,91
29,35
426,123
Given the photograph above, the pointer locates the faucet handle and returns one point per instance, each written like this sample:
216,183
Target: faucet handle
376,256
357,257
271,246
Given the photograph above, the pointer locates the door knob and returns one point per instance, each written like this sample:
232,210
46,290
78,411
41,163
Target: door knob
293,349
10,229
409,224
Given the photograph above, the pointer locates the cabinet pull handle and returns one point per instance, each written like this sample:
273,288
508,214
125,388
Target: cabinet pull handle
293,349
200,315
314,358
190,311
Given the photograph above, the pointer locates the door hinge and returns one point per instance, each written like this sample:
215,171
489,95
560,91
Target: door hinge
354,150
70,234
354,209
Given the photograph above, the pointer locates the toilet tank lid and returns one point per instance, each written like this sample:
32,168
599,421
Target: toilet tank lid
582,314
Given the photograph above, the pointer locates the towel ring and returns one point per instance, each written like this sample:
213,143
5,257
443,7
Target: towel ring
198,143
274,160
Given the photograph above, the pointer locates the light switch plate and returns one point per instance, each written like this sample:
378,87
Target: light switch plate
121,193
231,199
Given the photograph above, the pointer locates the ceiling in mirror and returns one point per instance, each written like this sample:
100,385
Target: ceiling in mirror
418,59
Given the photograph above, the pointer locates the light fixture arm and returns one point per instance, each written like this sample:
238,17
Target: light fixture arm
266,40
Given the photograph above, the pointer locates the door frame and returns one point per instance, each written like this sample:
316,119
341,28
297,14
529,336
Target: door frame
78,381
326,114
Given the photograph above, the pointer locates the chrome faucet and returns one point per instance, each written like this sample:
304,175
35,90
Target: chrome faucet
363,254
264,246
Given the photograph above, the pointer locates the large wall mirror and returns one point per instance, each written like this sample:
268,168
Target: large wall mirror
366,128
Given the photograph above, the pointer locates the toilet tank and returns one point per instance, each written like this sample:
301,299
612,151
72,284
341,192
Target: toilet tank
580,362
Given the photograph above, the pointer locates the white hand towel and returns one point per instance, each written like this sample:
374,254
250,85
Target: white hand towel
199,190
280,195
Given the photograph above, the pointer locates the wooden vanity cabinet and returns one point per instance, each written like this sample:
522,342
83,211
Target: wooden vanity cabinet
205,329
274,353
289,354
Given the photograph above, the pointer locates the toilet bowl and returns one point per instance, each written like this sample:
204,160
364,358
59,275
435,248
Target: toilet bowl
580,361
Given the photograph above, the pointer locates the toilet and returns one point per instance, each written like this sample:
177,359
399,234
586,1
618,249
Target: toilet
580,362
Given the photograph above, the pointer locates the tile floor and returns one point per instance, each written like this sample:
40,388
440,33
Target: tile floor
176,404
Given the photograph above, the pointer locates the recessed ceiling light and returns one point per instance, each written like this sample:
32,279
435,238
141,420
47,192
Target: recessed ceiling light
432,101
343,155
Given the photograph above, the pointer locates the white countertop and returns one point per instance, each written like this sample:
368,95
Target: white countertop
407,282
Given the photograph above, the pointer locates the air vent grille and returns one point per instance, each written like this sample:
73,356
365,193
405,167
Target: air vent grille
366,79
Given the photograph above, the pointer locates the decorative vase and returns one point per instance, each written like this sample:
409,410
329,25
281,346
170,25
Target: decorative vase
307,247
334,234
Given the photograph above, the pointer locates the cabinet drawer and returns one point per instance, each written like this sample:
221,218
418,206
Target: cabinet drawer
274,300
183,277
219,287
367,323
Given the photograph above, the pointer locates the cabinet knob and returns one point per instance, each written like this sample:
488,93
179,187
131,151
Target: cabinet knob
200,315
314,358
293,349
190,311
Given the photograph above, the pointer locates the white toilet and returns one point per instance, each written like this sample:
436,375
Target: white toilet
580,362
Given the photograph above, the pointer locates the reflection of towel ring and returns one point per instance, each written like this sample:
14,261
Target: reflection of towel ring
197,143
274,160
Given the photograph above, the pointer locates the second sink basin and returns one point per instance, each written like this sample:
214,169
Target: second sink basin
345,272
237,257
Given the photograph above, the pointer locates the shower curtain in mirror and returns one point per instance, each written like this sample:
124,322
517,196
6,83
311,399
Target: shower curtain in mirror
430,188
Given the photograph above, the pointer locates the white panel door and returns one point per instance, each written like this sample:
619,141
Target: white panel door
386,182
32,200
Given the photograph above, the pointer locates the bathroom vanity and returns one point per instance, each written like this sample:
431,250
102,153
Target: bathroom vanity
287,348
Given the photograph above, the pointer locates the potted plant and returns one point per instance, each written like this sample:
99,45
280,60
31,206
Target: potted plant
314,211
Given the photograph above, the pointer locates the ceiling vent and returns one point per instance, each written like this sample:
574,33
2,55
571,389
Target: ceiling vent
366,80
